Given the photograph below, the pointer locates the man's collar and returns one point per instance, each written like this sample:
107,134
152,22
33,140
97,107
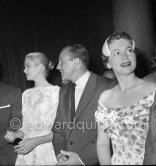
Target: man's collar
83,79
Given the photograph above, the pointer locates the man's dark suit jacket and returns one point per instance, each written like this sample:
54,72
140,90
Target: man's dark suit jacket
10,107
79,137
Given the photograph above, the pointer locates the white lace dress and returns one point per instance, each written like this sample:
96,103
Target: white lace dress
39,112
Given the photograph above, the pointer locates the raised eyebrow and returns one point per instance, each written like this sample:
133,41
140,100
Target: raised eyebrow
121,50
129,47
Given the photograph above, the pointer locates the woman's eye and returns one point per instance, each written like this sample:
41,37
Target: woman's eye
117,53
130,50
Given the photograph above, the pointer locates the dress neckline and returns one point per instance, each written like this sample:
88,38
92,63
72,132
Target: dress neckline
126,107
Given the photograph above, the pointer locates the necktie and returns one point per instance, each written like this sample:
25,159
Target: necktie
72,102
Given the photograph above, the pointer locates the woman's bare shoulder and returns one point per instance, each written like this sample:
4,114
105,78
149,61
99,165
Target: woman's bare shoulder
151,85
107,93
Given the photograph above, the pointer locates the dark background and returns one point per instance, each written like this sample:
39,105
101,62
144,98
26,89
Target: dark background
48,26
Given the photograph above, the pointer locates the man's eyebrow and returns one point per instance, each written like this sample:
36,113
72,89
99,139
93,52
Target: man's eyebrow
117,49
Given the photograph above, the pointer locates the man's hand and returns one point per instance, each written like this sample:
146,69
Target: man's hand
73,159
61,158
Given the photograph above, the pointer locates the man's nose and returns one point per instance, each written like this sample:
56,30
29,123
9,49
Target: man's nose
58,66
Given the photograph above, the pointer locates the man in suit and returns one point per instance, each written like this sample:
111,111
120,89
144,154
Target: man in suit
74,141
10,120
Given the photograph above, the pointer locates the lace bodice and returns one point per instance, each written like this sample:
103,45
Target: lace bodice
39,110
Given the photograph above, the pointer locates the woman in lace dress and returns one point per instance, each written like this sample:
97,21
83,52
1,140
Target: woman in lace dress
39,111
123,111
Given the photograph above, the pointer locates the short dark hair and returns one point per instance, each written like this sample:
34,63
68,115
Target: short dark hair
79,51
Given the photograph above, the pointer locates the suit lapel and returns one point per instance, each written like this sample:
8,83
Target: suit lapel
86,95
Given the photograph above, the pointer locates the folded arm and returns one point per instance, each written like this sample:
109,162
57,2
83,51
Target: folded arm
27,145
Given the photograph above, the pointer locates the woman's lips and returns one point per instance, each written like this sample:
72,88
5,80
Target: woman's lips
125,64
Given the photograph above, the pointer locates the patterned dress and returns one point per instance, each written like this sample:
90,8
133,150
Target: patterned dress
39,112
127,127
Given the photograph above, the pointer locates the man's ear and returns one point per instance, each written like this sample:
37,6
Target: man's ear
77,61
